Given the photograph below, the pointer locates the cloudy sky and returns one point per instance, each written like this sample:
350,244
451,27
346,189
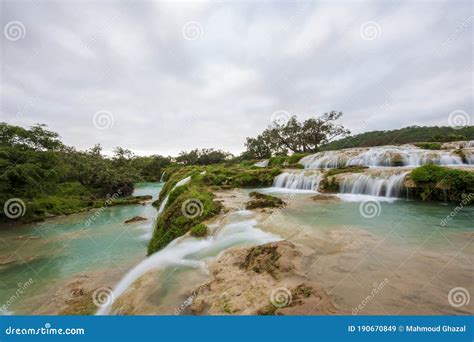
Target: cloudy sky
162,77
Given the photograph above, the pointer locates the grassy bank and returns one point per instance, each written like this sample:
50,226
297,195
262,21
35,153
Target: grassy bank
192,203
433,182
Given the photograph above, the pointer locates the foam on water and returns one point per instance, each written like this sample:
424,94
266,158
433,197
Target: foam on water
363,198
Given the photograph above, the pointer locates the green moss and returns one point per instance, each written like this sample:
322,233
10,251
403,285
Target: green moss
296,157
442,183
263,201
429,145
179,217
294,166
199,230
329,184
175,174
172,223
345,169
277,161
261,259
461,154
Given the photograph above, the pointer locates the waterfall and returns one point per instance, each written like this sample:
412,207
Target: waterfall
162,178
386,156
381,185
191,252
469,144
324,160
263,163
298,180
165,201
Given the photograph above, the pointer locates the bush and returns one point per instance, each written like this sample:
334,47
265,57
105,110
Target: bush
453,183
277,161
296,157
429,145
199,230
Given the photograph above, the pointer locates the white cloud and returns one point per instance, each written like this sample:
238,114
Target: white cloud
169,94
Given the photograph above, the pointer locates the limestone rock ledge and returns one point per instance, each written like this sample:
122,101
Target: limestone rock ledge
262,280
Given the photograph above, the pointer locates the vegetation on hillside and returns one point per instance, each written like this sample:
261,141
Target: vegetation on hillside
50,178
402,136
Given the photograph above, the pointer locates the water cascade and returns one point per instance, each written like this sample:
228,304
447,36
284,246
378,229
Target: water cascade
383,185
191,252
165,201
386,156
298,180
162,178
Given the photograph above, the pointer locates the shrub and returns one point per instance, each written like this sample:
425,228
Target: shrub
429,145
199,230
277,161
433,178
296,157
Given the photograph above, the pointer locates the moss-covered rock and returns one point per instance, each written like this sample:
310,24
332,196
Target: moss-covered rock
346,169
329,184
262,259
181,214
263,201
199,230
434,182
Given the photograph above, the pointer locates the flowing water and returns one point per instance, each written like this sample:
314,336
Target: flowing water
298,180
404,242
187,252
165,201
59,249
385,156
393,238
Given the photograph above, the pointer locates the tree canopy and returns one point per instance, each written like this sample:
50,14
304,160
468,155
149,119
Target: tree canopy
295,136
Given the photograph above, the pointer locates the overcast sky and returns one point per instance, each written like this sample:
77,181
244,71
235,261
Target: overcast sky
159,77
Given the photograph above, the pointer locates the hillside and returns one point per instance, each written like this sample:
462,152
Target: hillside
402,136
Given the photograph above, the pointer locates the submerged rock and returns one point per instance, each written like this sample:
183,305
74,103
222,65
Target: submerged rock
136,219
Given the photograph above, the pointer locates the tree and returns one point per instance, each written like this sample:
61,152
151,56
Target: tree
205,156
295,136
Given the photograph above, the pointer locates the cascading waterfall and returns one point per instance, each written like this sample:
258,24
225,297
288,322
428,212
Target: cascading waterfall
162,178
387,156
298,181
191,252
381,185
469,144
388,182
165,201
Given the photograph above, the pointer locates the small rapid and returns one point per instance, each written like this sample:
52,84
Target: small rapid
298,180
384,156
193,252
383,185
